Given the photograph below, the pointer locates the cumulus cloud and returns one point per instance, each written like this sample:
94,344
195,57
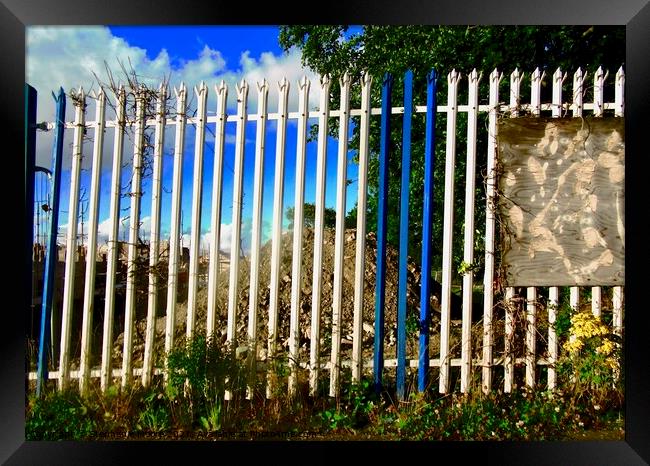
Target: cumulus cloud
70,57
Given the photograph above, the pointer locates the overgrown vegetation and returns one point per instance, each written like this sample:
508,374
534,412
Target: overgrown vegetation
192,404
380,49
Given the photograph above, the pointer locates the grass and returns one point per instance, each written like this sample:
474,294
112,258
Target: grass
192,405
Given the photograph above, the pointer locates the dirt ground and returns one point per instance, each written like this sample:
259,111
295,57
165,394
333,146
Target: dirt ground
305,309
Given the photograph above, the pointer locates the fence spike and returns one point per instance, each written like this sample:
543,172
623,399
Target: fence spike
221,87
325,79
303,82
345,79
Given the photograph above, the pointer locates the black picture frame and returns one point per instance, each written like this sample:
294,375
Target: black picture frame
15,15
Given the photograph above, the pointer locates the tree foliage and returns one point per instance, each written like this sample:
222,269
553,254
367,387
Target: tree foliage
395,49
309,216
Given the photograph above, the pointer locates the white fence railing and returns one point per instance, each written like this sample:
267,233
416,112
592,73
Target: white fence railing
487,357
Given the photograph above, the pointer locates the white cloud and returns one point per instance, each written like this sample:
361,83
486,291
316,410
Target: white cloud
63,56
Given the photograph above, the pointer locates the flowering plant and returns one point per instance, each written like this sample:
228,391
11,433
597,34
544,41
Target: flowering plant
592,353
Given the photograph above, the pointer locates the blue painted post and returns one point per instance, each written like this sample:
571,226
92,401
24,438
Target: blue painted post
30,162
382,219
404,233
51,253
427,231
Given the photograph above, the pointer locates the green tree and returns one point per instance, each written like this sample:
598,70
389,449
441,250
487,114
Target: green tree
395,49
309,213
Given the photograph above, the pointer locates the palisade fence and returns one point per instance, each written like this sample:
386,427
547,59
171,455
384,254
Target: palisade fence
495,355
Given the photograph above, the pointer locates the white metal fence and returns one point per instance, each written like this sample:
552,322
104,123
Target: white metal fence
496,358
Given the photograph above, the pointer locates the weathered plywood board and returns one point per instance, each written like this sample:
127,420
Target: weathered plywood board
562,199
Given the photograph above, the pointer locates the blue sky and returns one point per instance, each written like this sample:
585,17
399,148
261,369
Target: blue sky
68,56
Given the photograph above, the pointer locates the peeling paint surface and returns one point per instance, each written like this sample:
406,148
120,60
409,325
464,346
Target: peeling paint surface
562,202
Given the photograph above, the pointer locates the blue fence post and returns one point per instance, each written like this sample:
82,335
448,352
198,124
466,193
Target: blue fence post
51,253
382,219
30,162
404,234
427,231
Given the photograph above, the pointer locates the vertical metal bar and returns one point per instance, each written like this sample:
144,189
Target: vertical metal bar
278,195
490,226
509,362
360,259
134,227
553,302
154,244
89,284
531,293
404,235
217,185
554,291
298,224
599,84
339,240
319,224
468,252
509,369
71,241
578,93
450,163
114,218
427,231
175,231
240,141
197,202
531,315
515,86
617,291
51,257
382,221
262,99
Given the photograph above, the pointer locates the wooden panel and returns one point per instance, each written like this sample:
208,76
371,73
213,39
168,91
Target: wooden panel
562,201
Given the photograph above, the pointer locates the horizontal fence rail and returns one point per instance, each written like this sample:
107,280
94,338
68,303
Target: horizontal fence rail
510,347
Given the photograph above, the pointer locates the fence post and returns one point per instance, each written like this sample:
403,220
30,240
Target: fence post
578,94
240,142
450,162
89,285
404,235
339,241
427,231
531,293
51,257
197,201
360,259
382,221
217,185
154,244
490,225
509,360
554,291
114,219
468,253
71,243
174,235
617,291
298,226
599,84
262,99
314,357
134,227
278,195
